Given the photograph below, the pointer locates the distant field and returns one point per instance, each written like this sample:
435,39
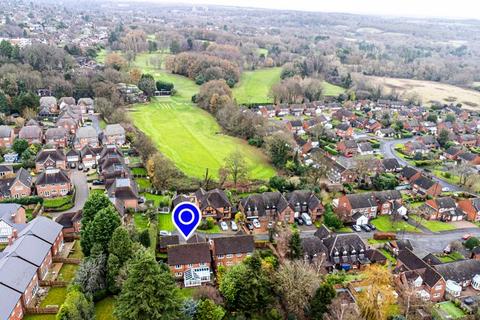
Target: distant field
254,86
188,135
431,91
192,138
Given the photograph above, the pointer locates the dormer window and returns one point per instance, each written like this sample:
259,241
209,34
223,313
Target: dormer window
345,252
337,253
354,251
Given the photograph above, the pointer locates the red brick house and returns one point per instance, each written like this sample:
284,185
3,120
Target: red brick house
190,262
344,130
50,158
444,209
12,308
414,273
47,230
347,147
12,216
304,201
56,137
53,183
471,208
18,186
426,187
124,194
33,134
268,206
7,135
229,251
469,158
214,203
467,140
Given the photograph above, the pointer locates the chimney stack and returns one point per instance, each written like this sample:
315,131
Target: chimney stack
14,234
10,240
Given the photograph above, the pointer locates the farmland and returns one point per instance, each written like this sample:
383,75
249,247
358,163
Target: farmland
430,91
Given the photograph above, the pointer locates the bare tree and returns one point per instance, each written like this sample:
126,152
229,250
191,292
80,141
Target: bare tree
236,166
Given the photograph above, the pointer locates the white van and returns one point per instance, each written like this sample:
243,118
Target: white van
306,218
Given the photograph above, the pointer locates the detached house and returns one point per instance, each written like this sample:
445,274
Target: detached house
50,158
414,147
357,208
444,209
303,201
347,147
268,206
12,217
7,135
344,130
124,194
86,136
460,274
471,208
56,137
229,251
17,186
33,134
53,183
469,158
214,203
414,273
86,105
114,134
425,186
190,262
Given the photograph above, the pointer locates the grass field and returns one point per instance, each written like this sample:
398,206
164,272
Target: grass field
165,222
432,225
449,308
193,140
254,86
385,224
430,91
331,90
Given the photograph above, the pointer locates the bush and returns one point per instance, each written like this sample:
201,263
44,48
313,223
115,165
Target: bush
330,150
472,242
207,224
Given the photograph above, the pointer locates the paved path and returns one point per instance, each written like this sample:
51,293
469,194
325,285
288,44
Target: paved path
79,180
387,148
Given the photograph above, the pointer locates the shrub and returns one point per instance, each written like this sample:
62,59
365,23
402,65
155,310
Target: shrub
472,243
207,224
25,201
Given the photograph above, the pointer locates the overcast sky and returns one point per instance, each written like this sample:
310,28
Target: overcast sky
419,8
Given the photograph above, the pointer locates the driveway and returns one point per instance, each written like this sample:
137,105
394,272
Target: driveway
387,147
79,180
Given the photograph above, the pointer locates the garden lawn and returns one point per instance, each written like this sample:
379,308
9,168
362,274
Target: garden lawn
192,138
432,225
385,224
451,309
58,204
140,221
139,171
165,222
40,317
76,252
254,86
55,296
215,229
454,256
389,257
143,183
104,309
67,272
156,198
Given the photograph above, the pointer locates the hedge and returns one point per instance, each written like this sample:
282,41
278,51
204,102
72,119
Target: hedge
25,201
330,150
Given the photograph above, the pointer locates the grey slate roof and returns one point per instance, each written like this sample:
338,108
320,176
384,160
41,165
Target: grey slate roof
5,131
86,132
43,228
30,132
234,244
52,176
16,273
190,253
114,129
29,248
9,299
54,154
55,133
459,271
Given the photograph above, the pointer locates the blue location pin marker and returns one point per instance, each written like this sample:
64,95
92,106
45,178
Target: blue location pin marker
186,217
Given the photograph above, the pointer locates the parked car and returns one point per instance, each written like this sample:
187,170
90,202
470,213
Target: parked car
466,236
356,228
405,217
371,226
299,221
80,167
365,228
224,226
306,218
250,226
97,182
445,189
234,226
256,223
165,233
72,165
141,200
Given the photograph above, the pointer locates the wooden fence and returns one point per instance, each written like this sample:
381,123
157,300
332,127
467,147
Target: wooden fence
66,260
53,283
40,310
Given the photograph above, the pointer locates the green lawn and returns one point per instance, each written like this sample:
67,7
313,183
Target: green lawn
67,272
165,222
192,138
187,292
454,256
389,257
58,204
40,317
156,198
76,252
331,89
385,224
188,135
254,86
140,221
143,183
55,296
433,225
451,309
215,229
104,309
139,171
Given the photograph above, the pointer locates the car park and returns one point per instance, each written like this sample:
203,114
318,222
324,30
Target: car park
234,226
224,226
256,223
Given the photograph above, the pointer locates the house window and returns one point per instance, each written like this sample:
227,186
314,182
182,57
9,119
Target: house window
229,256
436,295
438,287
178,267
203,264
220,256
229,263
178,274
190,265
